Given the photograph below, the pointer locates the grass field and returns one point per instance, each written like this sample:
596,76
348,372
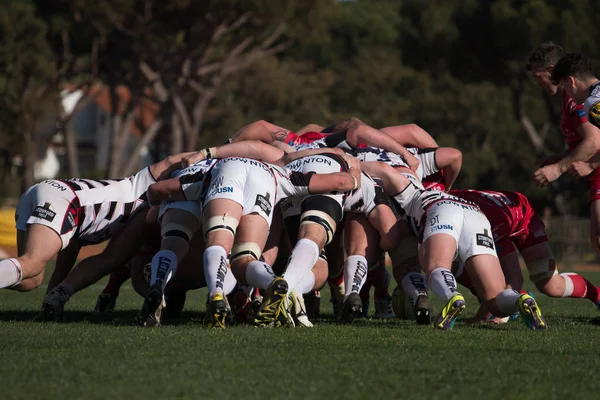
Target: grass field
100,357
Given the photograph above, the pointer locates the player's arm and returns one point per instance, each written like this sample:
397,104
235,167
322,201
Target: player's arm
302,184
309,128
65,261
163,169
449,160
262,131
335,182
589,146
410,135
342,126
247,149
376,138
165,190
393,181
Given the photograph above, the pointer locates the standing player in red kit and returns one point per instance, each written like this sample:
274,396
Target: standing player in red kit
583,139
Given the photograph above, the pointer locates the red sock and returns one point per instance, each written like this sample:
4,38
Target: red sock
580,287
382,282
116,279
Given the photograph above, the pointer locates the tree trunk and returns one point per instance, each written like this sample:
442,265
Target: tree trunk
134,160
29,158
176,134
198,116
72,150
122,131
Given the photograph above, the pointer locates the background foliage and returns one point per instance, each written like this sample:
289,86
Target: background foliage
453,67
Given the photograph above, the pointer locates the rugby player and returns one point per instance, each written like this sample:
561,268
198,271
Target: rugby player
518,230
583,138
223,212
56,217
448,225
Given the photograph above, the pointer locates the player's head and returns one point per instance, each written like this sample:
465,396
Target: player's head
573,72
540,65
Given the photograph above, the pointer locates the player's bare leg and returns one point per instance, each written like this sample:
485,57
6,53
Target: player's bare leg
221,224
542,271
360,243
333,257
178,226
40,244
120,249
490,286
435,257
410,298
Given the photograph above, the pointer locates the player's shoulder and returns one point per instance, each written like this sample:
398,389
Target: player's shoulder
592,105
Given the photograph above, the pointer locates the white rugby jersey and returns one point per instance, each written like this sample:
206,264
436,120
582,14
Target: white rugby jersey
105,205
195,178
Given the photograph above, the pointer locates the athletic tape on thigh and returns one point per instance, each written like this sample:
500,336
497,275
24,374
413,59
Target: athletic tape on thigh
320,218
246,249
540,270
220,223
176,229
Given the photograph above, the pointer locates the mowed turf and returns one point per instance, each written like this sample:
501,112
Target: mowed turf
102,357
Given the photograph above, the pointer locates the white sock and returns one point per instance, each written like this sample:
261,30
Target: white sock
259,275
507,301
355,274
10,272
307,283
303,259
413,285
229,283
215,268
164,265
442,283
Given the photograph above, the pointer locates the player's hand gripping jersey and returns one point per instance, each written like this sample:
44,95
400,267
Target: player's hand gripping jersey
89,210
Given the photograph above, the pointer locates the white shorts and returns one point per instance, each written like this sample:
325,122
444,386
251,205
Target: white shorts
249,183
469,227
193,207
50,203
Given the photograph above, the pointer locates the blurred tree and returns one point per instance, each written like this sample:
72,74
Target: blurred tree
26,81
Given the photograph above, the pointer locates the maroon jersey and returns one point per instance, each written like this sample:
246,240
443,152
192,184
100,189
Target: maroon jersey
571,117
509,213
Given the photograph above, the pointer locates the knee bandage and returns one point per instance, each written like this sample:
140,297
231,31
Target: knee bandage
542,269
220,223
246,249
174,229
320,218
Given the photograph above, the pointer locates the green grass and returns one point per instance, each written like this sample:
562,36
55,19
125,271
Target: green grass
95,357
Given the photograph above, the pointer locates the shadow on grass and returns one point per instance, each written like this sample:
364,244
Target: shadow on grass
117,318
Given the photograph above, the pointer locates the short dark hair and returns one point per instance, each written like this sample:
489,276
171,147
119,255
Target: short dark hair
546,54
572,64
